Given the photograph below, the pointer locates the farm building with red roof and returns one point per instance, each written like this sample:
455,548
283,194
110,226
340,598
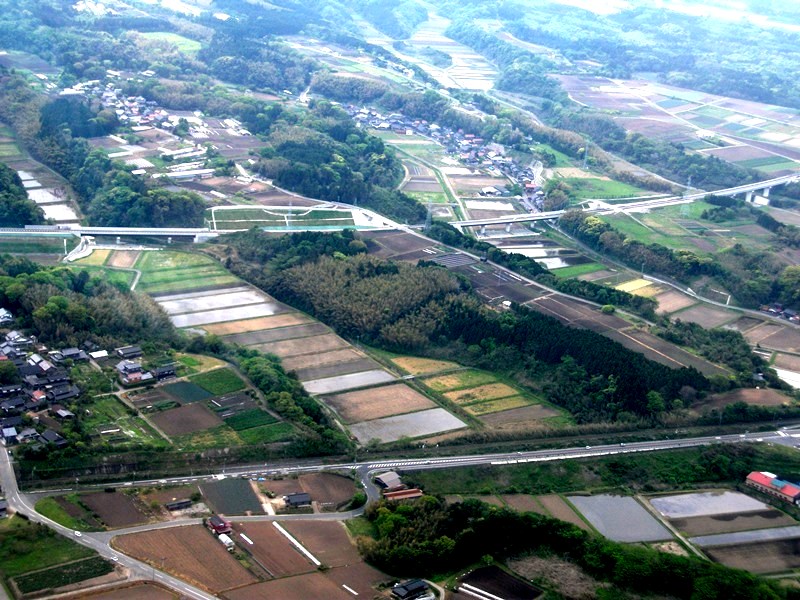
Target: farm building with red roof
769,483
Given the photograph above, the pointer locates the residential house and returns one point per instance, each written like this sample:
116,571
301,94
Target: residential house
51,437
165,372
9,436
73,354
129,352
14,389
63,392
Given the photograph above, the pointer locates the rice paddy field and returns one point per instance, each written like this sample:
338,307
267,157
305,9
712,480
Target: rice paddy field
482,394
620,518
603,188
735,529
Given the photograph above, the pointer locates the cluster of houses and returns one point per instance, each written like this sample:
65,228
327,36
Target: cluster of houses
45,386
472,151
136,111
131,371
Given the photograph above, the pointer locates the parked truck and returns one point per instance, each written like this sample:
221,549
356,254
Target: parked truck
226,541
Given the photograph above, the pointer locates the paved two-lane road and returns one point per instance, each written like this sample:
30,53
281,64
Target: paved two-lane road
100,541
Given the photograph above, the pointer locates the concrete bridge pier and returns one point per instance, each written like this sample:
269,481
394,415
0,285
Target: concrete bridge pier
749,197
483,229
508,227
765,192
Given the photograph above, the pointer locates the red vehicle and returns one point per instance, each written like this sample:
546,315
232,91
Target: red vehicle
218,525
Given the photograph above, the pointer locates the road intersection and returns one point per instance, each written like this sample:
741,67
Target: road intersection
23,503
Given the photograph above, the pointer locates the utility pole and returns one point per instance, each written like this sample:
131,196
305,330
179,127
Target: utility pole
428,217
585,152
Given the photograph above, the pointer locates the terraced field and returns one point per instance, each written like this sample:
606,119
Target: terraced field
498,404
325,363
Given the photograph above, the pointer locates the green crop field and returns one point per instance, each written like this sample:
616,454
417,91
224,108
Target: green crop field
250,419
764,161
51,509
219,381
220,436
161,261
425,197
592,187
187,285
9,149
267,434
184,44
187,392
61,575
578,270
787,165
107,413
26,546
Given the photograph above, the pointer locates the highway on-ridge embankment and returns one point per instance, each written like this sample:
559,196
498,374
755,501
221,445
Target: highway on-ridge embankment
23,503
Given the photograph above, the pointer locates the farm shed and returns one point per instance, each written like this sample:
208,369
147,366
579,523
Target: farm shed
389,480
129,352
768,483
178,505
410,589
298,499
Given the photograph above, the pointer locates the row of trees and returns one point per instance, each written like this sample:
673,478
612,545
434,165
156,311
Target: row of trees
432,537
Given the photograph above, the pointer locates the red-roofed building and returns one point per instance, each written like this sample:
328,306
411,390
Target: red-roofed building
768,483
403,494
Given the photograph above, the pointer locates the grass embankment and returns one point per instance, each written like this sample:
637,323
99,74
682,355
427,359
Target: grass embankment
651,471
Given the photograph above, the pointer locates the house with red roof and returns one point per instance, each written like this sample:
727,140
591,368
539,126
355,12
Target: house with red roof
768,483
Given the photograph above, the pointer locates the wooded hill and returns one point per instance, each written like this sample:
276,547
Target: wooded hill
428,311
